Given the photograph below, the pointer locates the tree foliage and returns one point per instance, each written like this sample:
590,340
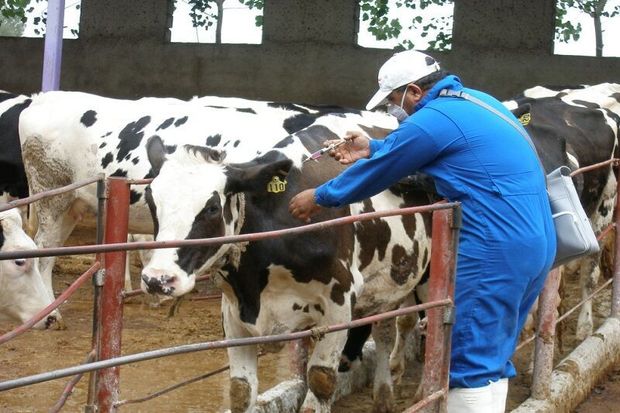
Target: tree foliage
566,31
376,12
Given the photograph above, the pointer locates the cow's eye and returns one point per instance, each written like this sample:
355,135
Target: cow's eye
20,262
213,209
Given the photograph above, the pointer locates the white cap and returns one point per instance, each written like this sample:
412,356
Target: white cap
400,69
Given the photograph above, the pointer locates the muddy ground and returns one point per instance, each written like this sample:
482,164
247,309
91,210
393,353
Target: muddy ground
149,328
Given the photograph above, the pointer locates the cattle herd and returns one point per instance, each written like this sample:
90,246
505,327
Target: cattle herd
214,162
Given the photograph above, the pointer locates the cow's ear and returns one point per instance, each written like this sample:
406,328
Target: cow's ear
156,152
258,173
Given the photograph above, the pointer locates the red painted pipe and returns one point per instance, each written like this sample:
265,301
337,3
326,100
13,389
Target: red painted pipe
439,327
117,221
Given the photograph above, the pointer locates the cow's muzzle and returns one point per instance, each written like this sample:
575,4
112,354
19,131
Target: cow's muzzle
163,284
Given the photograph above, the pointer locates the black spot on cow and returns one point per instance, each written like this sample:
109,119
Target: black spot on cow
296,307
306,308
285,142
107,159
12,174
165,124
403,264
213,140
119,172
337,294
106,134
236,143
374,236
589,105
134,196
103,145
246,110
180,121
318,308
170,149
298,122
135,160
429,61
130,136
89,118
128,156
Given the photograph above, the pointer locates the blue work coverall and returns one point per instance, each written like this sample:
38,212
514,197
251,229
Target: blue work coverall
507,240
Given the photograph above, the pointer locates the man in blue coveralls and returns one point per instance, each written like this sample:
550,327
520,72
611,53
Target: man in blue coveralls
507,240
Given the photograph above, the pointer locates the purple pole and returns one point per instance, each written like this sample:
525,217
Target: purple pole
52,55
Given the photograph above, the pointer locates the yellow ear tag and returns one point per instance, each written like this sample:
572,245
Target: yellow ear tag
276,185
525,119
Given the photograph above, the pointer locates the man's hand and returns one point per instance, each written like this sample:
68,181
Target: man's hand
302,205
357,147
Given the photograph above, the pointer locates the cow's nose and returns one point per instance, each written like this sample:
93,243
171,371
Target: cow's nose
159,285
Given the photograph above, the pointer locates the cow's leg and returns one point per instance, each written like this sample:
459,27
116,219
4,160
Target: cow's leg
323,365
383,334
589,273
55,226
243,363
405,326
352,352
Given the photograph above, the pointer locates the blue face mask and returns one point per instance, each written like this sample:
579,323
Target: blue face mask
397,111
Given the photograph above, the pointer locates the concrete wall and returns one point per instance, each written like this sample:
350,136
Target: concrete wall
308,54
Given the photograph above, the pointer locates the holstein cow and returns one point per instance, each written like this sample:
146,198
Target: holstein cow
22,292
71,136
578,127
287,283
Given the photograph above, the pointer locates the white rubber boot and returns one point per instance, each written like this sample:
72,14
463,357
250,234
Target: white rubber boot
499,390
474,400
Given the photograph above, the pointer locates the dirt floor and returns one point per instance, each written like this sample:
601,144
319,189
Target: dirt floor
148,328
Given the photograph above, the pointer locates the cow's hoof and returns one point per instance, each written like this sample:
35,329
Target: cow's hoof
383,400
59,323
240,395
322,382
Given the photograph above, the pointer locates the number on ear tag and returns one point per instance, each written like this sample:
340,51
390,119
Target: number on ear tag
276,185
525,119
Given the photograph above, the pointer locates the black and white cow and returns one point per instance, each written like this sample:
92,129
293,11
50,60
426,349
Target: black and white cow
70,136
22,292
578,127
288,283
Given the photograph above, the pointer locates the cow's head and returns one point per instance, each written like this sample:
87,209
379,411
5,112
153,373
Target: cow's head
22,291
195,194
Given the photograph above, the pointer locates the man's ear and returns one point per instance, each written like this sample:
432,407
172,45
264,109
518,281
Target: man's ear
417,90
257,173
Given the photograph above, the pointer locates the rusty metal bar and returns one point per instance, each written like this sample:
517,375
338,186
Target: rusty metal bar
117,222
149,245
426,401
70,386
569,312
190,348
51,307
444,243
102,196
52,192
588,168
176,386
545,337
615,293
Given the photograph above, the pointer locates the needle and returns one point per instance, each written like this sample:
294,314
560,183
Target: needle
316,155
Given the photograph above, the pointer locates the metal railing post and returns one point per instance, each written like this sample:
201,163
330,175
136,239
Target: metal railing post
111,315
97,285
446,224
615,295
545,336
